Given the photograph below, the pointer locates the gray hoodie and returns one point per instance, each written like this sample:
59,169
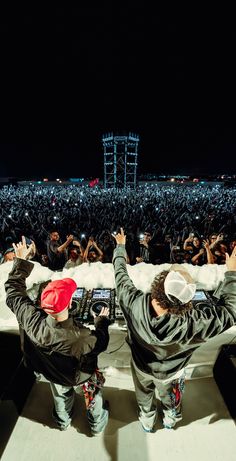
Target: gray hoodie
163,345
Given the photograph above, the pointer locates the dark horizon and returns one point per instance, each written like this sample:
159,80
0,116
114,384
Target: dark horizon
71,75
35,161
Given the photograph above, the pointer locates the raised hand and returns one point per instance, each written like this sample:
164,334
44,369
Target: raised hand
33,250
21,249
70,238
120,237
231,260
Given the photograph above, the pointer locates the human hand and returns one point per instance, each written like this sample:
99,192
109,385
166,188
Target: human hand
33,250
231,260
120,237
139,259
206,244
143,242
70,238
21,250
104,312
76,243
190,237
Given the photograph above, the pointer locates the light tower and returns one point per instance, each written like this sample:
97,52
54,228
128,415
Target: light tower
120,160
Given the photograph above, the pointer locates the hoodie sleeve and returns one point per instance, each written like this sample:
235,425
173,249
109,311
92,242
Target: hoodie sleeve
101,332
127,293
16,296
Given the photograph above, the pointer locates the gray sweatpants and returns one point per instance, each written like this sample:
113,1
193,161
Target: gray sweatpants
170,392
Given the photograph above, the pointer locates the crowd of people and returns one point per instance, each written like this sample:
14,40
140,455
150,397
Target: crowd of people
71,224
66,226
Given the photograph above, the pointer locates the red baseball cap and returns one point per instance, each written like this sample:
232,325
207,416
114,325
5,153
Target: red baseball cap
57,294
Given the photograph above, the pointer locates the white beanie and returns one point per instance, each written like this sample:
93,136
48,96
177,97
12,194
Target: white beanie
176,285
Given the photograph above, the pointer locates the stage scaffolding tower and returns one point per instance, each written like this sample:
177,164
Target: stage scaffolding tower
120,160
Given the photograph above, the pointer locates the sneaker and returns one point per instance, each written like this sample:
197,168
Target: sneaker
63,428
171,422
96,434
147,430
166,426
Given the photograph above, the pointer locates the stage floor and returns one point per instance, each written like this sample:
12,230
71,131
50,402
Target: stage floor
206,433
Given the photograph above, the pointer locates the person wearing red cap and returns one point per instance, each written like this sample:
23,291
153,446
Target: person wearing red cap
54,346
164,329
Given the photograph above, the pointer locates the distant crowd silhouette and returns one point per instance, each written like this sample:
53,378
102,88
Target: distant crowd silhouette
72,224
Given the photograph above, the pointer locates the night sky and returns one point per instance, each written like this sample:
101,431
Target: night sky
69,75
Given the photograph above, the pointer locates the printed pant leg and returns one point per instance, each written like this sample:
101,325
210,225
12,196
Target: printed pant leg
63,397
97,409
145,396
98,414
171,394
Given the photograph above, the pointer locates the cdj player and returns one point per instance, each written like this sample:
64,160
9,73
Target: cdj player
202,297
102,297
87,304
78,303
